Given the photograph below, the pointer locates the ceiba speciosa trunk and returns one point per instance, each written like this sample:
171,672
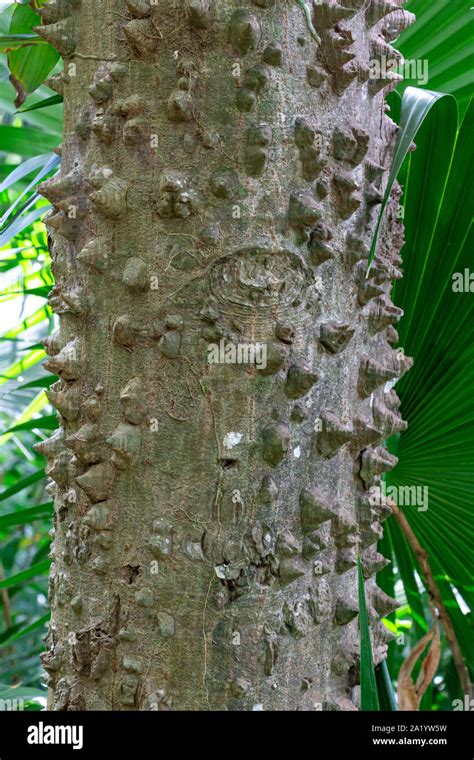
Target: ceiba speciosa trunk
225,366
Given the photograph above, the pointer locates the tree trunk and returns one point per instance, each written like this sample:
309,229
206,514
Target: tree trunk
225,366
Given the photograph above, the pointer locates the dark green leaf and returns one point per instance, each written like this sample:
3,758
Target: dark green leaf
386,693
29,66
9,42
25,168
54,100
26,141
416,104
368,687
18,634
22,484
47,422
26,516
42,382
21,223
41,568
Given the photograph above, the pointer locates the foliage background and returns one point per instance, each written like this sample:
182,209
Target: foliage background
437,330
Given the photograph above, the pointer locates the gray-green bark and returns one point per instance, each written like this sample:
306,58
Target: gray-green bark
221,176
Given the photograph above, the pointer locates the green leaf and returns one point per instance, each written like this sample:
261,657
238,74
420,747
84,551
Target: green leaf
386,693
439,38
26,141
47,422
9,42
436,452
416,104
368,688
29,66
42,292
20,692
54,100
41,568
21,223
21,366
35,406
25,168
22,484
41,382
18,634
26,516
48,120
48,164
407,567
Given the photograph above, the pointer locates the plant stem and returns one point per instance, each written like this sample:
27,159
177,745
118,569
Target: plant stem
436,601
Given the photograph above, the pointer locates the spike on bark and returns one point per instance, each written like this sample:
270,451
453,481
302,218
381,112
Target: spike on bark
300,379
372,374
386,420
364,433
373,562
66,363
244,31
333,436
51,447
59,188
389,83
374,463
396,23
135,274
139,8
275,441
346,559
290,570
200,13
95,255
111,198
378,9
142,35
346,610
87,444
125,331
318,249
315,509
382,313
60,35
125,442
57,83
335,337
66,401
97,482
383,603
132,400
347,193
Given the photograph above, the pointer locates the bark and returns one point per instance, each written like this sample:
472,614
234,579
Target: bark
223,165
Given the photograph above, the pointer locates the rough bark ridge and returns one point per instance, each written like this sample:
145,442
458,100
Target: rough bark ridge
223,166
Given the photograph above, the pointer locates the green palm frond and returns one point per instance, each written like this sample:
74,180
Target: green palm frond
440,37
437,450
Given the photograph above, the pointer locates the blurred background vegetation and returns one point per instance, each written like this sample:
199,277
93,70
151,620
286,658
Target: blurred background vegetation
436,451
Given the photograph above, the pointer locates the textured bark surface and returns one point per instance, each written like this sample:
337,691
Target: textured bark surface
221,176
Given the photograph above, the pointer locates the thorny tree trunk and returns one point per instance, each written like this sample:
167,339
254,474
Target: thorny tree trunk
221,176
